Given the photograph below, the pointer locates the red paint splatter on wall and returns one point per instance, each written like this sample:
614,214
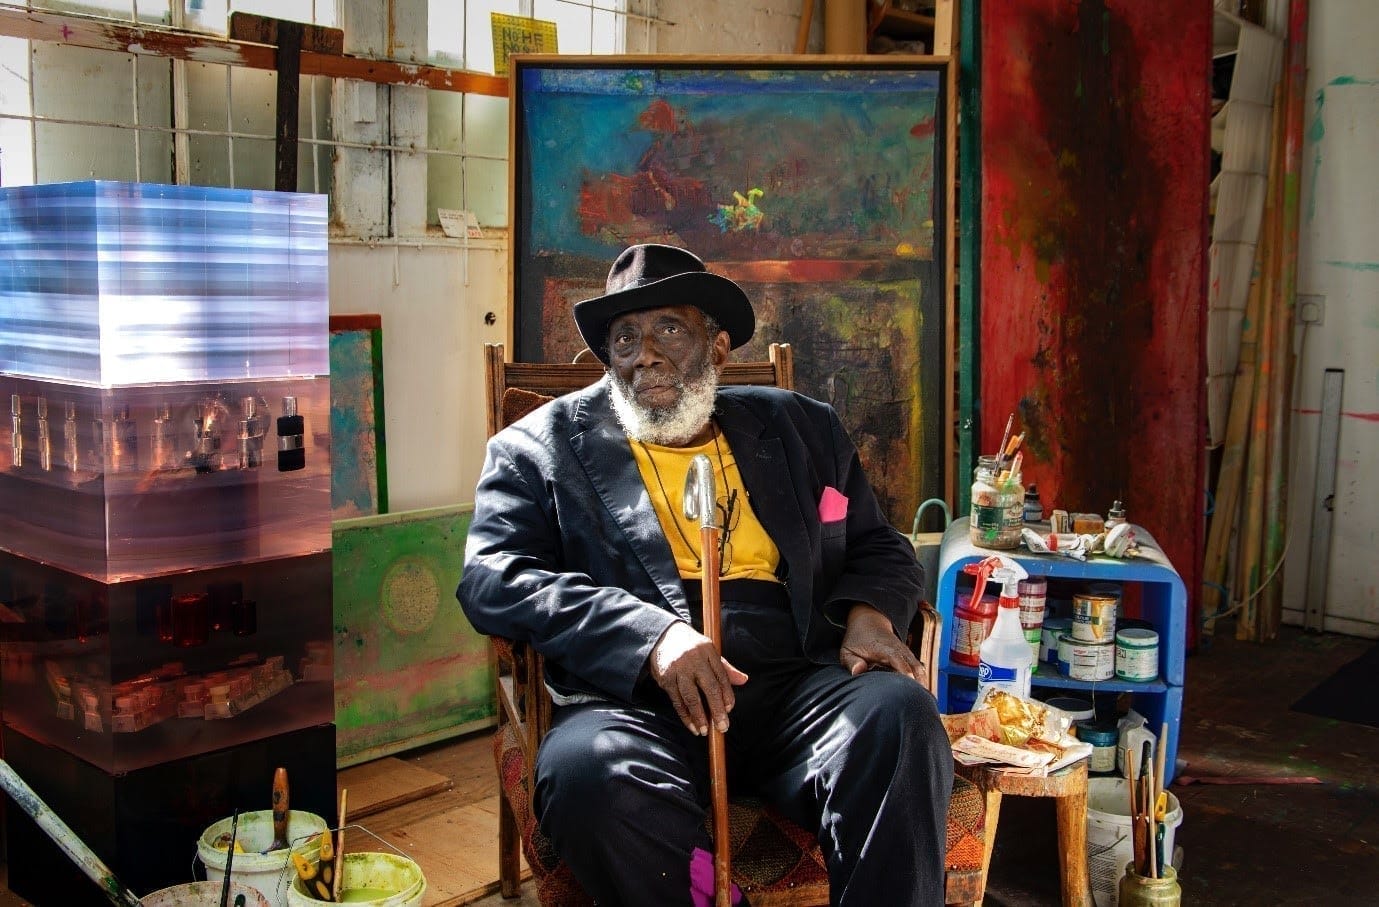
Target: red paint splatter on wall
1095,120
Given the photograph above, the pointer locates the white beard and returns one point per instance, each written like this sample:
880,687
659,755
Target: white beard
673,426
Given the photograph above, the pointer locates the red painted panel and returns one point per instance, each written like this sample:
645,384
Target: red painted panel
1095,119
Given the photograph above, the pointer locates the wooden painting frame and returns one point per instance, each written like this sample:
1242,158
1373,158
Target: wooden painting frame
822,184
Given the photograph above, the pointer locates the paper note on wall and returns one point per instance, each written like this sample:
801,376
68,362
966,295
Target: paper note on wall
519,35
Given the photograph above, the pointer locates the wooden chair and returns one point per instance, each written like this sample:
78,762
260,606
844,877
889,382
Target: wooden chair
774,861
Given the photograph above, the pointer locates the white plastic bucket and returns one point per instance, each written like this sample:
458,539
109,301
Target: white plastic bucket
200,894
397,881
1109,846
258,866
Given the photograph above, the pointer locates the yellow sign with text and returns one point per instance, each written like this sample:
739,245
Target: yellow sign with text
519,35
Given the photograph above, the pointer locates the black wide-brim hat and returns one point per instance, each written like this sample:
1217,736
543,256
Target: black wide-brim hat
650,276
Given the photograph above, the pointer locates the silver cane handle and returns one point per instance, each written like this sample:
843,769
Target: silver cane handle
699,493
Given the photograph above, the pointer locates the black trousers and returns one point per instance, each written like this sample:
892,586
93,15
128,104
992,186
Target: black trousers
622,791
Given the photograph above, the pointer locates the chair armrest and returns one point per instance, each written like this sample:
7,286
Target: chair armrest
520,686
923,640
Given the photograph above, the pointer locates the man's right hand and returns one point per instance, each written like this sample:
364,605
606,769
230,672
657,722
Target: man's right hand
691,672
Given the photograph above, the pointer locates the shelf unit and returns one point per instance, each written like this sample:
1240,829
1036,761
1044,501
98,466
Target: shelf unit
934,25
1162,601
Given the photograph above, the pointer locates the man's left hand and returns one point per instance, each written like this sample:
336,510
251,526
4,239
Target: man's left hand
870,642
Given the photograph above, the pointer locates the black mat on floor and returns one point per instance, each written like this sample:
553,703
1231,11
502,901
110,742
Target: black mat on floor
1347,695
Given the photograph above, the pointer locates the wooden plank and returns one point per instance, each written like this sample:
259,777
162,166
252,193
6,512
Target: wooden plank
102,34
388,783
288,54
264,30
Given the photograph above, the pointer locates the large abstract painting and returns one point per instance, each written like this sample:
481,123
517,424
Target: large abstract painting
821,187
1095,121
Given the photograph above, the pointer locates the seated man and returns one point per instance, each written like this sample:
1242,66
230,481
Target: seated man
579,545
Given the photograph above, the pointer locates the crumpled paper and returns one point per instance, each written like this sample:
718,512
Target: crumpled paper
1119,541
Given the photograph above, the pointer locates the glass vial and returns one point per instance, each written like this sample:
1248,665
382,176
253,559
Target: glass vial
124,443
164,439
16,432
71,453
246,617
45,442
291,438
998,505
191,619
225,596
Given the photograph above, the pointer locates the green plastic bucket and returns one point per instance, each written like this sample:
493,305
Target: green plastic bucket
374,879
266,870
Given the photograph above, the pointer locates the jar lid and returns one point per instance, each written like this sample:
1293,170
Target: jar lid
1097,733
1137,637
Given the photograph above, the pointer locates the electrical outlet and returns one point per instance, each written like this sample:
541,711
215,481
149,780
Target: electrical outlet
1310,308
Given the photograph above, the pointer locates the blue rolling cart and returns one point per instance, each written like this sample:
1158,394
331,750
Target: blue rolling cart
1163,602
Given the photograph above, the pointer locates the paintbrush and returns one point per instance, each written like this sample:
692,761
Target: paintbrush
1005,438
281,809
229,860
339,849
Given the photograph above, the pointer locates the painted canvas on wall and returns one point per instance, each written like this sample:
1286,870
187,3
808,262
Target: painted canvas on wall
820,188
1094,136
358,454
409,669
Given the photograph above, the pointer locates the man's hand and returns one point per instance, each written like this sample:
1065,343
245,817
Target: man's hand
870,642
688,668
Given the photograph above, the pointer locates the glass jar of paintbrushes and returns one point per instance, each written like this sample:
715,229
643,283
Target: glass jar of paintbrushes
998,497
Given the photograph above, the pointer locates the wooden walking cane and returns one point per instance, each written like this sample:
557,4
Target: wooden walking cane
699,505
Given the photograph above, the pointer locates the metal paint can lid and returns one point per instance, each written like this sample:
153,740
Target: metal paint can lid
1137,638
1098,733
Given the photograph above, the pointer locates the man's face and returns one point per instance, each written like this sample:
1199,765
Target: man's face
665,370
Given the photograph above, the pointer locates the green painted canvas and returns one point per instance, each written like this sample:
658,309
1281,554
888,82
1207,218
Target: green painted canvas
409,669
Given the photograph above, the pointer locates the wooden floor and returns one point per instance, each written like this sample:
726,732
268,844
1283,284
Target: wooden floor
1261,843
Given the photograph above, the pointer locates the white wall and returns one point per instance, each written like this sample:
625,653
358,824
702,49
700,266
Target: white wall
433,374
722,26
1339,259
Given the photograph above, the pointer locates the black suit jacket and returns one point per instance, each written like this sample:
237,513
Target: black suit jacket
565,550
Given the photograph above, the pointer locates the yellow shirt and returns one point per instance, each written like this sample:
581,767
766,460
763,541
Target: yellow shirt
748,552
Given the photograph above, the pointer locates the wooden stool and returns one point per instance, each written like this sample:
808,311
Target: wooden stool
1069,787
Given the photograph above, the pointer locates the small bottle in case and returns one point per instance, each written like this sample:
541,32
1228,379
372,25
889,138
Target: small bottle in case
71,454
291,443
16,431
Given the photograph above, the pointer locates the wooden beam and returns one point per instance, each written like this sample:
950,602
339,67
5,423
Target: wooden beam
290,37
105,34
263,30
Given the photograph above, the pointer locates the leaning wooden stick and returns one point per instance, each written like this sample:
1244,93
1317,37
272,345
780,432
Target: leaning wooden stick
699,505
339,850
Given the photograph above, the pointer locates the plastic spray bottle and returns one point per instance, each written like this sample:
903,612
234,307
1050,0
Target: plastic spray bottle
1006,658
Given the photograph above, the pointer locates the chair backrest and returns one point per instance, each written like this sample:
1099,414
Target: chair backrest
516,388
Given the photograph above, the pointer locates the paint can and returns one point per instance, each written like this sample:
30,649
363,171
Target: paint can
1077,709
1082,659
1094,617
376,879
1033,601
198,894
1137,655
1054,628
1103,736
1109,838
972,623
264,869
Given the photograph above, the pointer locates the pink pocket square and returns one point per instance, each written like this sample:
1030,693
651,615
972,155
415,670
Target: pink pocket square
833,505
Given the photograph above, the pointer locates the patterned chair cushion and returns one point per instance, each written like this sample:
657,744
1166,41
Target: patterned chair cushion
769,852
